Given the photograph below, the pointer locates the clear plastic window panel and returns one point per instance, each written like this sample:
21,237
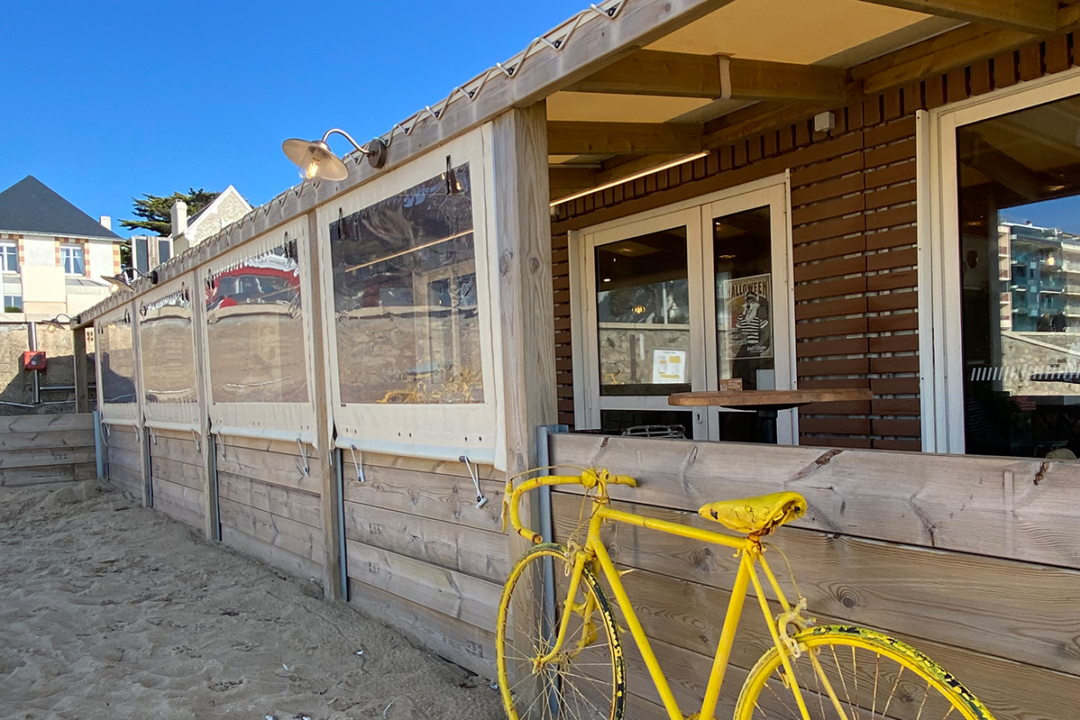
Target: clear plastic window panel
255,330
116,353
643,314
167,345
1019,213
406,302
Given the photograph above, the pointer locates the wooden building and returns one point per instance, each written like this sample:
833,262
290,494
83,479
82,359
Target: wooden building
660,196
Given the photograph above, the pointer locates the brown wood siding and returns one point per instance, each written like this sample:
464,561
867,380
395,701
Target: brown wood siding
854,242
269,508
123,455
177,477
422,557
38,449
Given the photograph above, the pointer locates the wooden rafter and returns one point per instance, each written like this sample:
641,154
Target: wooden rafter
650,72
1034,16
566,180
585,138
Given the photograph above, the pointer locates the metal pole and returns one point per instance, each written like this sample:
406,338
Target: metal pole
35,381
99,450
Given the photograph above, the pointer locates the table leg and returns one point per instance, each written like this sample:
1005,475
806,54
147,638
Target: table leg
767,418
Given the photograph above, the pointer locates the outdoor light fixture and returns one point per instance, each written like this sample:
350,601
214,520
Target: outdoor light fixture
126,276
56,322
315,159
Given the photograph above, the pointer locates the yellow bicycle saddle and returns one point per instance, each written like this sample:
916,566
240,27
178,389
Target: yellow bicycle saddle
756,515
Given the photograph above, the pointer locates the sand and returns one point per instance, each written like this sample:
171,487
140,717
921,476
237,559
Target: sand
112,611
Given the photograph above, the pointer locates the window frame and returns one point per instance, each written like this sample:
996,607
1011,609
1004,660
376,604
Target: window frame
172,416
5,305
82,253
940,341
275,420
697,215
437,431
4,269
118,413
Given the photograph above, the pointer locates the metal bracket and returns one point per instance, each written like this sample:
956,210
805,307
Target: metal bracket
358,464
198,441
305,469
474,473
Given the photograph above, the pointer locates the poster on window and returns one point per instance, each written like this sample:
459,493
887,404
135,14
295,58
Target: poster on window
669,366
749,313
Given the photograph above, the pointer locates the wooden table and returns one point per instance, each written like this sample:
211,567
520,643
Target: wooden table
767,403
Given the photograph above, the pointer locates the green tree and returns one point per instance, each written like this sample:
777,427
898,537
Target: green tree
153,211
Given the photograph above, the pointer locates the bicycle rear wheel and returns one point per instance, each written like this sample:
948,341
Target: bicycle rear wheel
586,680
849,672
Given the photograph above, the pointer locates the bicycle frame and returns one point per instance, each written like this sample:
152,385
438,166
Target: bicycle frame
749,551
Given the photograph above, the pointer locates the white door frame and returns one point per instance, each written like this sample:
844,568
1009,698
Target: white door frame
940,345
696,215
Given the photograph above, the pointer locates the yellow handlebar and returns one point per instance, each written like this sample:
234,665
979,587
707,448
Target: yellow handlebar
599,478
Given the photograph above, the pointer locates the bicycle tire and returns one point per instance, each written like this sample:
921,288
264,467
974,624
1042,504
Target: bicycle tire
942,696
557,691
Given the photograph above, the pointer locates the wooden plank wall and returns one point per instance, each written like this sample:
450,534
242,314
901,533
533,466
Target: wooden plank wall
269,509
46,448
423,558
854,227
123,455
177,477
972,560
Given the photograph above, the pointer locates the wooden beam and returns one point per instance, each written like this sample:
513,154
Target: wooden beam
204,392
1034,16
595,43
585,138
82,371
752,120
330,493
937,55
649,72
566,180
526,312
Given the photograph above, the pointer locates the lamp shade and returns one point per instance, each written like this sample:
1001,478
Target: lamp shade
314,159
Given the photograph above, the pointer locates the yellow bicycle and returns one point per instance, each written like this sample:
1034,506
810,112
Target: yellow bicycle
559,652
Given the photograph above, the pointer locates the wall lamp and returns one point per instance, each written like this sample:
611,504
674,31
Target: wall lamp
315,159
57,322
126,276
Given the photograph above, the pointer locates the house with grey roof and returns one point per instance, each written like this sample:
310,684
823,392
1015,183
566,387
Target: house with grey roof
51,253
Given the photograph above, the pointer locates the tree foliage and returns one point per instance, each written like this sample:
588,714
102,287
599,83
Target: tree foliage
154,211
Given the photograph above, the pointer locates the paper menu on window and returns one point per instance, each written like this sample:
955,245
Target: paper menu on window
669,366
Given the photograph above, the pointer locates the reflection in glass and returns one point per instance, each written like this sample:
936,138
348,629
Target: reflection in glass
405,297
742,257
115,347
1019,177
643,314
255,329
167,347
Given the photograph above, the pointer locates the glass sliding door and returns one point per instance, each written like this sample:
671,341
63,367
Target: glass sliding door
746,264
645,333
1018,211
689,300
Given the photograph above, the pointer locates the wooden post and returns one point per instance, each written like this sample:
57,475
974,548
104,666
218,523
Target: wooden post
211,526
526,305
331,490
82,376
141,431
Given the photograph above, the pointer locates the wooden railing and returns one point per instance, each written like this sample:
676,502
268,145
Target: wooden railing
974,560
46,449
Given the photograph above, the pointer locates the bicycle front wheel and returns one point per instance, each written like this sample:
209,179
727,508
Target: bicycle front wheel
848,673
585,679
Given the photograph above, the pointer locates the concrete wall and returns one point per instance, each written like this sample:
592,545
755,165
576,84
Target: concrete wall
16,384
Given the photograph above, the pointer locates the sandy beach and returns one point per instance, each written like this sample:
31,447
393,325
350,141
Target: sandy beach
112,611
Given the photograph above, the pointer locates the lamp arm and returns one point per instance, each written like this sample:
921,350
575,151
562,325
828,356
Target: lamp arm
348,137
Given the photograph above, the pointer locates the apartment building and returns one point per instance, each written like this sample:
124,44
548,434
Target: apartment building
52,254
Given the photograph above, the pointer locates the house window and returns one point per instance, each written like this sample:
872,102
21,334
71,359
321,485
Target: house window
71,257
9,258
690,299
13,303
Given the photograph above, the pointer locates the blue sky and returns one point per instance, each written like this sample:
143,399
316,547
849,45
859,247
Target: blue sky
105,101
